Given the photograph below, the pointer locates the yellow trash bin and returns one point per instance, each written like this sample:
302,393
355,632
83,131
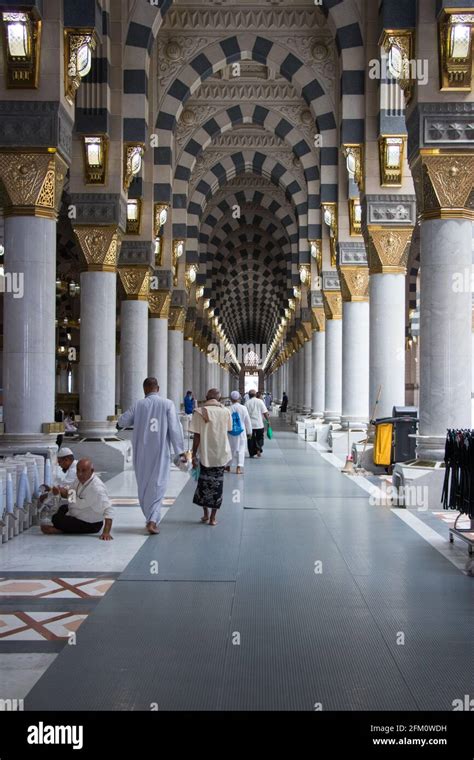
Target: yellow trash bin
383,444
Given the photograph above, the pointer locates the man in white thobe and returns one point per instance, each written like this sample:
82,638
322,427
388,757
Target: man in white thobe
156,427
238,443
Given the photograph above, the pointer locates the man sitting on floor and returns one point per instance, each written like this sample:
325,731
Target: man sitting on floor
88,506
65,476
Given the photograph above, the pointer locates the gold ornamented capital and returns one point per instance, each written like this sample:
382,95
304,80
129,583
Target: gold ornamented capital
159,302
31,182
136,282
444,183
177,318
319,318
332,300
354,283
99,245
388,249
189,330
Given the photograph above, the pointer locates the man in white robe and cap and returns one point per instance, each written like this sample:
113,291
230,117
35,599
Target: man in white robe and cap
156,427
238,441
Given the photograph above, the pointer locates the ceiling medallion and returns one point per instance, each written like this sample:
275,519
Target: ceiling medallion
188,117
319,51
173,50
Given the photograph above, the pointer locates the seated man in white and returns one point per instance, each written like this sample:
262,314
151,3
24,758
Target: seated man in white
88,508
65,475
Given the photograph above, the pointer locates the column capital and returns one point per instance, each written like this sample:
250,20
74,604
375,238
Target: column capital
332,304
354,283
319,318
444,184
177,318
99,246
136,282
190,323
31,182
332,299
159,302
388,249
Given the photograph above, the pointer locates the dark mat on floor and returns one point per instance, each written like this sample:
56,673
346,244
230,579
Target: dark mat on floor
187,549
147,644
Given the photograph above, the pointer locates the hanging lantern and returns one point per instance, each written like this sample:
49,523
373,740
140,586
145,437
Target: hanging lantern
22,46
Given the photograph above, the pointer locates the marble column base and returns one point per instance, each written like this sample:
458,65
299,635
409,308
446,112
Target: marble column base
430,447
351,422
332,417
19,444
92,430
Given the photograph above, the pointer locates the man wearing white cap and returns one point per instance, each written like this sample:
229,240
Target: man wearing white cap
65,475
241,428
66,470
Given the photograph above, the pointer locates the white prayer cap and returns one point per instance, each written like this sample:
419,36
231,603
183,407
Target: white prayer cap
65,452
235,395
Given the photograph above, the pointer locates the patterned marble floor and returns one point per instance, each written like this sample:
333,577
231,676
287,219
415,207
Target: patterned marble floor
47,587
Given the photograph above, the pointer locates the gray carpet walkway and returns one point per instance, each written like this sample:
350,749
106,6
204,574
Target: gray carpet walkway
303,597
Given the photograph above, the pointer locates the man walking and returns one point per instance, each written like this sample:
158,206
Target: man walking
210,425
241,429
258,412
155,427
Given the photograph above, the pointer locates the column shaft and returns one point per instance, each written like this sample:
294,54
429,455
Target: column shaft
387,342
333,370
318,375
97,362
355,363
134,350
158,352
175,367
445,329
29,312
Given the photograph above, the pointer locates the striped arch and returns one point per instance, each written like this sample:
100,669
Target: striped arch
244,46
143,26
271,121
345,23
250,235
262,223
248,199
250,162
241,280
343,20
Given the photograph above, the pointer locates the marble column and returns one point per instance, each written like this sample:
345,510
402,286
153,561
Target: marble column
134,333
318,374
196,372
176,355
355,345
308,371
388,252
188,381
445,330
32,186
117,380
99,246
225,383
159,304
333,356
444,185
203,374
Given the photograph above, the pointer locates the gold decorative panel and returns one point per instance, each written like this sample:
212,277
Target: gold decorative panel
32,183
99,246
